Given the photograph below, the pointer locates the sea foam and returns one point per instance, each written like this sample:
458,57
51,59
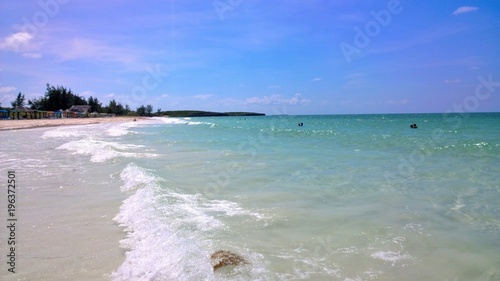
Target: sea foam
101,151
121,129
169,232
180,121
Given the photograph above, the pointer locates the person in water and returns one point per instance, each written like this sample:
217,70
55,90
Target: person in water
414,126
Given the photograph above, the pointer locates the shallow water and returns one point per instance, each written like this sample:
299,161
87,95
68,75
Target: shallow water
349,197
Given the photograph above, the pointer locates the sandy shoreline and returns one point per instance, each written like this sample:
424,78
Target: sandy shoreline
65,205
38,123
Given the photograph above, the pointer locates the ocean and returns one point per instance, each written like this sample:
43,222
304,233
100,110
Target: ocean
343,197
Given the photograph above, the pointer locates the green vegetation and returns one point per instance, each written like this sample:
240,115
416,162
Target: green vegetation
244,114
19,101
59,97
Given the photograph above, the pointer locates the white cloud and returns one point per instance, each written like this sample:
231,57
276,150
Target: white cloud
354,80
395,102
203,97
5,99
258,100
297,99
82,48
274,86
277,100
32,55
316,79
390,102
7,89
87,94
165,96
454,81
465,9
230,102
16,42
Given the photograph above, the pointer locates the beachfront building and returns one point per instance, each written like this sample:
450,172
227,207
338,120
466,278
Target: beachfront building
76,111
79,111
27,113
21,113
4,114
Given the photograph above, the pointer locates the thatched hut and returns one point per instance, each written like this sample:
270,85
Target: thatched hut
80,110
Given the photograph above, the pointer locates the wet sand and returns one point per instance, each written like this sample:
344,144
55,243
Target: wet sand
38,123
65,228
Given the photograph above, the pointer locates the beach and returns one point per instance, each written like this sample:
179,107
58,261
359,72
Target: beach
64,205
39,123
64,228
354,197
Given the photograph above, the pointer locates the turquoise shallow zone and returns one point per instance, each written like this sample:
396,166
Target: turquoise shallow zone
343,197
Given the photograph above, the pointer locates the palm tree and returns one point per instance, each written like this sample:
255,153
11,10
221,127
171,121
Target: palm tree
19,102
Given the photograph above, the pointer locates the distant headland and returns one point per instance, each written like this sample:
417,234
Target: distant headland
199,113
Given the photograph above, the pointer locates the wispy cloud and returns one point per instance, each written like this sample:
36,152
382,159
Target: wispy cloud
32,55
277,100
465,9
396,102
7,89
19,41
84,48
203,97
87,93
354,80
453,81
316,79
231,102
420,38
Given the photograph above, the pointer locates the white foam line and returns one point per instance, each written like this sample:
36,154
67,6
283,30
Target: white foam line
167,230
180,121
102,151
121,129
390,256
157,251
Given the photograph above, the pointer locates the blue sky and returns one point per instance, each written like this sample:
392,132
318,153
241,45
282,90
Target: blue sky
294,57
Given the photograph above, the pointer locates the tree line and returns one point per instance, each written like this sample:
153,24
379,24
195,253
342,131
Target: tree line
59,97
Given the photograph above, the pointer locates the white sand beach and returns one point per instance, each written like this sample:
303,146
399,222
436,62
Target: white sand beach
38,123
64,206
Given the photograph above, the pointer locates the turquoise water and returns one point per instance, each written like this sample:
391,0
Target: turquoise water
347,197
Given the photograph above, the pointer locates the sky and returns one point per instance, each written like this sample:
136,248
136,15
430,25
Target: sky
274,57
